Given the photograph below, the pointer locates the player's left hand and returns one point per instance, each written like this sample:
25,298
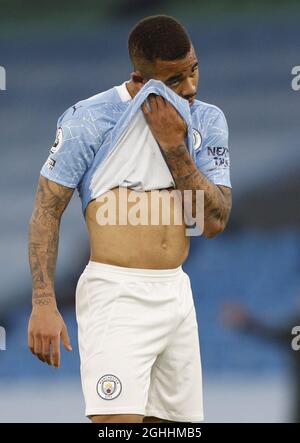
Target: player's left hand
167,126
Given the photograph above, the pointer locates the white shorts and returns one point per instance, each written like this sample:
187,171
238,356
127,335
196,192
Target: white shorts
138,342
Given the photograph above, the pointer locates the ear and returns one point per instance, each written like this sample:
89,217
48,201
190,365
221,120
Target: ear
137,79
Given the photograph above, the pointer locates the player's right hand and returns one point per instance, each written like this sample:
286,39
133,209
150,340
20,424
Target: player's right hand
45,329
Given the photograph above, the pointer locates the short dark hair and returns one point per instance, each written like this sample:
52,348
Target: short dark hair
158,37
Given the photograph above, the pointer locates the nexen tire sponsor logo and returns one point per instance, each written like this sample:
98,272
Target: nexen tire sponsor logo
220,155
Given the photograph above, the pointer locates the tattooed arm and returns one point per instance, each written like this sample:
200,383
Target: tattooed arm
169,130
46,325
217,198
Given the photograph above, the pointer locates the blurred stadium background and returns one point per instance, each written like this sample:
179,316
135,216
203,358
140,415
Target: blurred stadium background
58,53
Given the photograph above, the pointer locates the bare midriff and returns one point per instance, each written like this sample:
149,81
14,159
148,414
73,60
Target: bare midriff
137,233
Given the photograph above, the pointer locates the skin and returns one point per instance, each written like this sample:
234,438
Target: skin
182,76
127,418
46,326
152,247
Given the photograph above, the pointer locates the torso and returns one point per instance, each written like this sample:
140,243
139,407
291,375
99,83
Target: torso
150,246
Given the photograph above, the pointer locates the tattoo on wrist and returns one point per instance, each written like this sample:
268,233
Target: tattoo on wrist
175,152
43,295
43,298
40,302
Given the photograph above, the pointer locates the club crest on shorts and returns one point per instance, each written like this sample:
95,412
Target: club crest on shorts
197,139
109,387
58,141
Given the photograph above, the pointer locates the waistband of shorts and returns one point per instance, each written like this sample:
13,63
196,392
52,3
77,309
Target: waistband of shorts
136,273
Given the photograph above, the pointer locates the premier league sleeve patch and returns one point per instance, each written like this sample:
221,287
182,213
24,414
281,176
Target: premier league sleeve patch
58,141
109,387
197,139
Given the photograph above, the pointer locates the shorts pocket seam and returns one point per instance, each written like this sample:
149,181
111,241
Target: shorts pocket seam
108,319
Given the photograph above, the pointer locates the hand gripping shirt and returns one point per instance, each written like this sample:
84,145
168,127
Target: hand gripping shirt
104,142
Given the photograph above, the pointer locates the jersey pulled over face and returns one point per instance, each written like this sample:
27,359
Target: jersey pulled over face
104,142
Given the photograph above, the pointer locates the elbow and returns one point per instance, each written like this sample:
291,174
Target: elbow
31,220
213,227
33,223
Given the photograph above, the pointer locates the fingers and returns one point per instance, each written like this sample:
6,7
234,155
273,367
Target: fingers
46,350
65,339
55,358
41,347
31,342
153,103
145,108
161,102
44,339
38,347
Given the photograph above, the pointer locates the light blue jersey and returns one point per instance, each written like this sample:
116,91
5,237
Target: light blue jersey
104,141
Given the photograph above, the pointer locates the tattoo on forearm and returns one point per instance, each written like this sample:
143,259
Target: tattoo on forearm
42,295
217,199
51,200
42,302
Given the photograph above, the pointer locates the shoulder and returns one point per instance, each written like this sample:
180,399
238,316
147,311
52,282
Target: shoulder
206,112
99,106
